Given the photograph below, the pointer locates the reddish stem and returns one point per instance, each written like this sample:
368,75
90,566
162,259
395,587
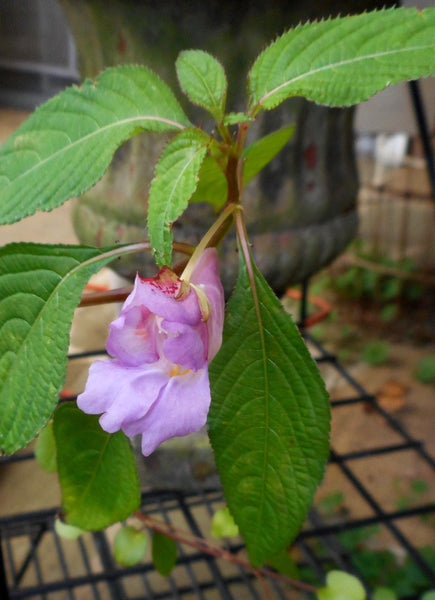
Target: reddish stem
204,546
94,298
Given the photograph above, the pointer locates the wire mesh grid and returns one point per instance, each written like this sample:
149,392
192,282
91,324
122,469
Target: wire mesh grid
37,563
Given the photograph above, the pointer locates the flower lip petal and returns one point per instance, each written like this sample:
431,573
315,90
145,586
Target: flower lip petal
100,392
122,394
176,399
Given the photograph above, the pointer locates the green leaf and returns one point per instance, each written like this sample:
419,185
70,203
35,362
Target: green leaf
67,532
343,61
45,449
284,564
40,286
223,524
202,78
97,471
129,546
425,369
384,593
376,353
66,145
212,186
175,181
164,553
419,486
430,595
236,118
341,586
269,418
262,151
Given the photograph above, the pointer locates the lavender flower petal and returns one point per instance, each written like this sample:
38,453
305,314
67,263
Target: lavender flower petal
132,337
186,346
122,394
181,408
206,277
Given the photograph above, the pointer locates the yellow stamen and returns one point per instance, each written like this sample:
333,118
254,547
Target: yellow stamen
175,371
143,333
204,304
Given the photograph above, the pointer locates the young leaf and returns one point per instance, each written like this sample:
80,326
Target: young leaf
202,78
66,145
40,286
384,593
97,470
129,546
212,186
67,532
223,524
164,553
269,419
175,180
263,150
343,61
45,449
236,118
341,586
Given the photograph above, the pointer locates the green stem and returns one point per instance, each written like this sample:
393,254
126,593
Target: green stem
206,240
242,235
234,176
225,134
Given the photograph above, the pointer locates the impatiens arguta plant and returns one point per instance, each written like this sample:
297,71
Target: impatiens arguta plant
269,416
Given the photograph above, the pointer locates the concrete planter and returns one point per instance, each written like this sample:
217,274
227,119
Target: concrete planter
300,210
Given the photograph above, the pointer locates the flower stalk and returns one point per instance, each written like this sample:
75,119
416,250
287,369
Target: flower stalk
209,239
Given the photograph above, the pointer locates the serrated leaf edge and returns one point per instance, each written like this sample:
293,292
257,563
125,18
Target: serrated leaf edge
215,109
255,108
161,257
100,257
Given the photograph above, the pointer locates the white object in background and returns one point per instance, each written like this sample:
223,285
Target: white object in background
390,151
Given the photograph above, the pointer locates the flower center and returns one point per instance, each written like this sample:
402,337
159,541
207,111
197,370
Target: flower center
178,370
142,332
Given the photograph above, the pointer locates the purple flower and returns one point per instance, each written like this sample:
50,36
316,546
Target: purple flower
166,334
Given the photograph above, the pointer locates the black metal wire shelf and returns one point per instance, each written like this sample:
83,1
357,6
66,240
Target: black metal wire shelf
85,568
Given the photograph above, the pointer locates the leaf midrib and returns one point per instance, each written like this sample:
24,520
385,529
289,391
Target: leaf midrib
338,65
213,104
253,286
84,139
32,328
23,346
94,474
174,187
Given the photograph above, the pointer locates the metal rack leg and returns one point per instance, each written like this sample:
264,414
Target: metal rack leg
4,592
303,308
423,128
